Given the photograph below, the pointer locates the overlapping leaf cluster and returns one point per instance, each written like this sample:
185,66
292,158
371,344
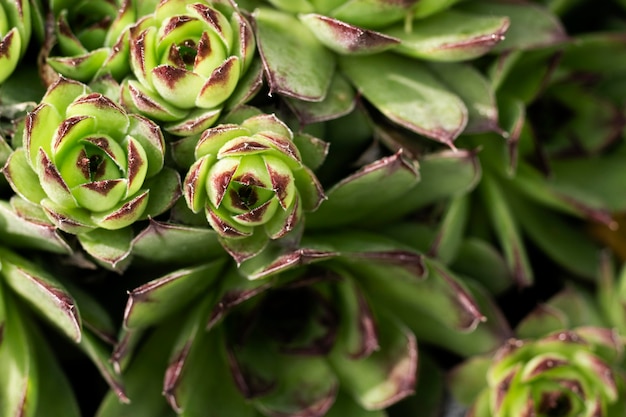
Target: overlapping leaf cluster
317,207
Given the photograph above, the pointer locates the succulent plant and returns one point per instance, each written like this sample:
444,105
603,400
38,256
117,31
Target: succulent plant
86,165
202,48
93,37
568,373
375,194
15,32
251,181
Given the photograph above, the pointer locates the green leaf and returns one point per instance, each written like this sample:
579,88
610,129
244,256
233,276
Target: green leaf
23,178
481,261
165,189
468,379
352,200
424,8
443,175
156,300
93,315
387,375
312,149
576,179
297,65
339,101
524,75
596,52
431,392
176,244
43,292
372,13
56,398
450,36
21,231
344,38
475,91
424,288
111,247
506,227
100,356
19,388
543,320
144,379
301,384
532,26
595,123
274,259
558,238
451,230
406,92
195,394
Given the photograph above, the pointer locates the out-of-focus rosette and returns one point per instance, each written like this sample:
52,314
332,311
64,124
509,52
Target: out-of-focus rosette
574,372
189,58
251,181
15,32
88,164
92,37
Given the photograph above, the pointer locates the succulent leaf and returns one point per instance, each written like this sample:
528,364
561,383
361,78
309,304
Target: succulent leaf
390,81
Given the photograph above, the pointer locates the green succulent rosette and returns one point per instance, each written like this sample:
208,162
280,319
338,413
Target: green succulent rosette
15,32
92,37
566,373
89,164
188,58
250,180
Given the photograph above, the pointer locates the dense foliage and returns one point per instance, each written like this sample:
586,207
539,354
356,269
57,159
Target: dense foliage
289,208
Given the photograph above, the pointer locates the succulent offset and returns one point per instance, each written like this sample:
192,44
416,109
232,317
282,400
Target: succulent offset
88,163
250,180
93,37
567,373
198,47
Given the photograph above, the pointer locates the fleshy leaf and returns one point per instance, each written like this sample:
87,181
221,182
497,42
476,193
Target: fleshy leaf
532,25
111,247
173,243
372,13
451,229
475,91
99,355
143,379
350,201
22,178
18,386
297,65
56,397
339,101
193,394
170,293
468,379
507,229
16,227
344,38
288,376
165,189
407,93
450,36
387,375
43,292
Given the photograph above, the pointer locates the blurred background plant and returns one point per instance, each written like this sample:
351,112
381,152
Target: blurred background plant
355,207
